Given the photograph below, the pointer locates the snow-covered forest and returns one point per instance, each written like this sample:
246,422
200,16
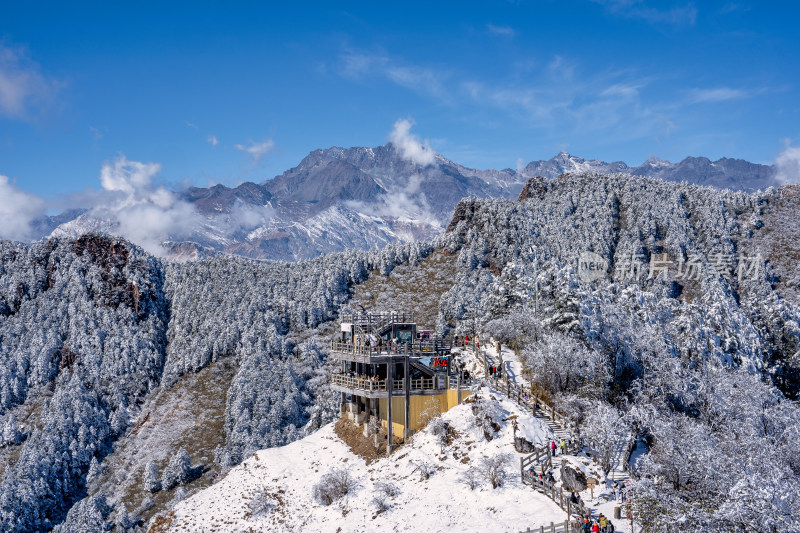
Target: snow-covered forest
704,370
702,364
89,327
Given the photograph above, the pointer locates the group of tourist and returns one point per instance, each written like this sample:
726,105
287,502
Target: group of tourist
366,382
561,446
374,343
548,476
601,525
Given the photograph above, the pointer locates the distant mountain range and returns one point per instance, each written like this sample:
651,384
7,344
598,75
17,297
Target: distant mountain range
340,198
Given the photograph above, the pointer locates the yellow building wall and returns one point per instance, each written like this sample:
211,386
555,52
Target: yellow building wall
421,409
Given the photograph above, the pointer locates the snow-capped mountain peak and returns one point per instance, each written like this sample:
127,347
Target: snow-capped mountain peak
365,197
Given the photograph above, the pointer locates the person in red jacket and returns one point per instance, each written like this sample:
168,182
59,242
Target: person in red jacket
595,528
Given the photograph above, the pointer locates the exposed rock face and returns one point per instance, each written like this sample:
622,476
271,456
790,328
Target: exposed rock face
463,211
572,479
534,188
111,255
523,445
221,199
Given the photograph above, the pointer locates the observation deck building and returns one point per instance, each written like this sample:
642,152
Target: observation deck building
392,371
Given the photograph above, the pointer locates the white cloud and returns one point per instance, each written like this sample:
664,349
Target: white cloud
257,150
501,30
561,70
18,210
541,104
132,205
424,80
355,64
143,213
635,9
622,90
149,224
787,165
212,140
97,133
247,216
127,176
403,201
563,99
409,145
720,94
24,91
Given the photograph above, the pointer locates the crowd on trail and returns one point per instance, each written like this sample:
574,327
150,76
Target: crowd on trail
601,525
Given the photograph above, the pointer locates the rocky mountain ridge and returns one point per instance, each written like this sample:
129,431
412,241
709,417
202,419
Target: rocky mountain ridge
341,198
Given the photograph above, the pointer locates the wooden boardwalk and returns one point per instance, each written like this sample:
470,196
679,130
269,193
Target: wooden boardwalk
540,460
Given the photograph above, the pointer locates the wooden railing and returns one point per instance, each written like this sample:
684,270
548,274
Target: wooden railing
359,382
626,462
352,348
368,384
561,527
528,464
562,499
542,454
531,401
368,318
416,347
375,322
422,383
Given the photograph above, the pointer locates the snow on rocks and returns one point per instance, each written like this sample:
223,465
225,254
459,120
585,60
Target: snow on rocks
272,490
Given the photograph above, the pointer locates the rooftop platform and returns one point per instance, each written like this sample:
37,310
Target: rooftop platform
374,323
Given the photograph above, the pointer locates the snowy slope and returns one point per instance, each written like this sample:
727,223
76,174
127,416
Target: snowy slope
287,474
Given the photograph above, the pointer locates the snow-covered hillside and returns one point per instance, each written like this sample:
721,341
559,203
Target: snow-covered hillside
273,490
110,339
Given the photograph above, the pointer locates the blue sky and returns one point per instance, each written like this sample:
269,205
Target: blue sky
224,92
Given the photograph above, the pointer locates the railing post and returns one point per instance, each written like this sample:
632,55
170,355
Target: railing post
406,386
389,417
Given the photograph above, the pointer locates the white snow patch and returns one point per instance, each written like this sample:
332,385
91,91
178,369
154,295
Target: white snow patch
286,475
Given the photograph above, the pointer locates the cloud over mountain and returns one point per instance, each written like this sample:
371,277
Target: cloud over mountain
787,165
18,210
409,145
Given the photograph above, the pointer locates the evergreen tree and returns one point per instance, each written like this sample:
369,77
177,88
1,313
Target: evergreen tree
178,471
